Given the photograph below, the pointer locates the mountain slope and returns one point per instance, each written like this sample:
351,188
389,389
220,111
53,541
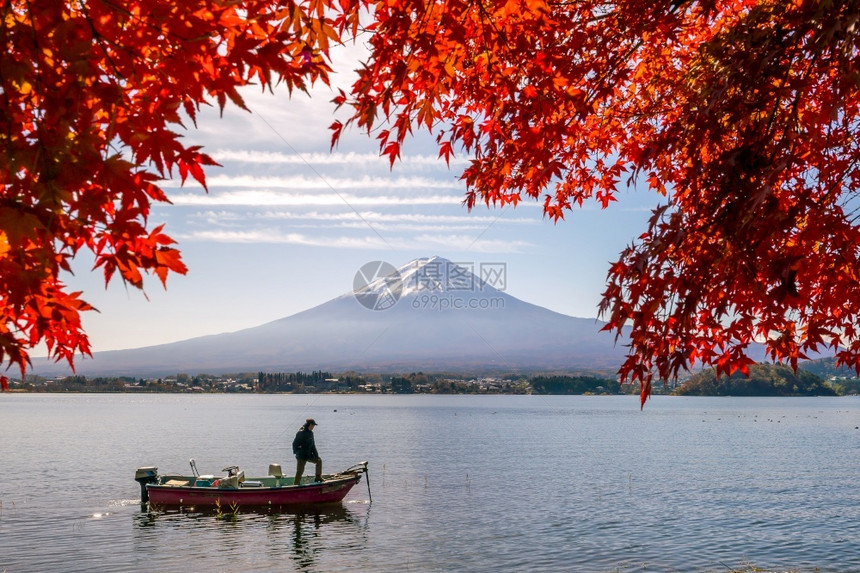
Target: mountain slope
432,321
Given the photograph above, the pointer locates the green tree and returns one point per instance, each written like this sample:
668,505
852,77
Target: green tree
763,380
401,385
573,385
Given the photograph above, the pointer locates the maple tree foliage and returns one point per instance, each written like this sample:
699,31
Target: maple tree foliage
742,114
92,93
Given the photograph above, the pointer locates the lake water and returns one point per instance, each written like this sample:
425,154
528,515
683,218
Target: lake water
458,483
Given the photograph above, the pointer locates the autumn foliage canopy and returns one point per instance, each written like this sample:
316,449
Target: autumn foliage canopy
741,116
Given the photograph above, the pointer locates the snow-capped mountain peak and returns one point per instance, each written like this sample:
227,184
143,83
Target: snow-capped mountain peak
429,275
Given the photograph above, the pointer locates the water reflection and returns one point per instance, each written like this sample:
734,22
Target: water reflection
313,538
323,513
308,527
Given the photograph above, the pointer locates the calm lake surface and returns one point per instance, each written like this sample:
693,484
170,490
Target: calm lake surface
459,483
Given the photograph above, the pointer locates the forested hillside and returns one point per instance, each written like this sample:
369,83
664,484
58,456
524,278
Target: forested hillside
764,380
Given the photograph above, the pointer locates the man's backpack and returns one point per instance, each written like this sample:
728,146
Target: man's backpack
298,443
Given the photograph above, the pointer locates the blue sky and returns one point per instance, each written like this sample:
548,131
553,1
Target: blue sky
287,224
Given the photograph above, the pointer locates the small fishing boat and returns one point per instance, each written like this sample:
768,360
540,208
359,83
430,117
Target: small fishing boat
234,490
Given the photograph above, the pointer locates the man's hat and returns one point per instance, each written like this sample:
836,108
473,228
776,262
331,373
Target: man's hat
310,421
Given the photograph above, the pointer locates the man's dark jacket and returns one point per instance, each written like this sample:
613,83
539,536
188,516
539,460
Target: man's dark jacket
303,445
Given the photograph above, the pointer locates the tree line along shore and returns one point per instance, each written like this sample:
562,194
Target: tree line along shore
763,380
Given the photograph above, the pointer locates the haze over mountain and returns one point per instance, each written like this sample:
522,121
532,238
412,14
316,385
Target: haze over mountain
429,314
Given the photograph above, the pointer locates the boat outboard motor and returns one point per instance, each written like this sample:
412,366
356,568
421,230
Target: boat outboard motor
144,476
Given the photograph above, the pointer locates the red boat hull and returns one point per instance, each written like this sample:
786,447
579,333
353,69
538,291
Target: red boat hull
330,491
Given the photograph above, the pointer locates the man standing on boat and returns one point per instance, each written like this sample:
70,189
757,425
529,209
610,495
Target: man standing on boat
306,451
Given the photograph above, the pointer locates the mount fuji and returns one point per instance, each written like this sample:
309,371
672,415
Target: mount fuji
430,314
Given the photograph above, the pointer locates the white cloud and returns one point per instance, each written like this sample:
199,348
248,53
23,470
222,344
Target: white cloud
352,216
278,158
321,182
243,227
370,241
471,243
275,236
268,198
